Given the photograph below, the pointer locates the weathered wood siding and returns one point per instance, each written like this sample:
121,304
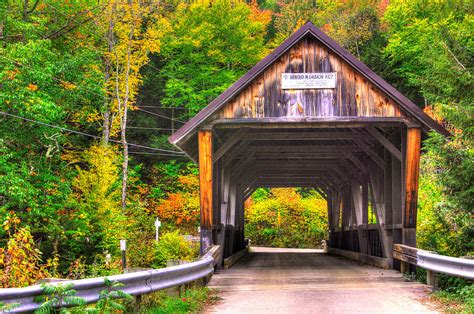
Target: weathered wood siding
353,95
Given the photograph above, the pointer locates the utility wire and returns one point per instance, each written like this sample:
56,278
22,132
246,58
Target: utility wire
145,128
159,115
89,135
162,107
155,154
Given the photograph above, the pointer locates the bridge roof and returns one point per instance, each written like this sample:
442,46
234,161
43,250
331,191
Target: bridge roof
209,113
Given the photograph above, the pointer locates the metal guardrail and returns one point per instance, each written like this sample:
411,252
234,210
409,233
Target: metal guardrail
137,283
454,266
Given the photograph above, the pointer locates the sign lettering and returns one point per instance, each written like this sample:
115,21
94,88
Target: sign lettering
308,80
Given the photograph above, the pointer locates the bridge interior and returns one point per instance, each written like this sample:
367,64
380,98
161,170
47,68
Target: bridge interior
356,166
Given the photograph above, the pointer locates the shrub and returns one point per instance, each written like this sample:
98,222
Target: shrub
172,246
20,261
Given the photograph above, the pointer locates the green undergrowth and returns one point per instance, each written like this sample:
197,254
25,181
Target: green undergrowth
455,294
192,300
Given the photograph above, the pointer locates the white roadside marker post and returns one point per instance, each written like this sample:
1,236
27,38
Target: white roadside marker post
157,226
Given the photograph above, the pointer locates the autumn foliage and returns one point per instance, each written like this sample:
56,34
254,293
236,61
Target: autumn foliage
182,207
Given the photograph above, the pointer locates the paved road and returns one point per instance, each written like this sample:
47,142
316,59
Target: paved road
309,281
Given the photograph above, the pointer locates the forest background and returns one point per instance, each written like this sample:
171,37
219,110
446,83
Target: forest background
90,90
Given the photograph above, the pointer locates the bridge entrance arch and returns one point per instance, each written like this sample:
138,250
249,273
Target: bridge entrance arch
311,115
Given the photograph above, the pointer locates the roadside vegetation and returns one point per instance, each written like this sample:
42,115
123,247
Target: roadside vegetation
90,91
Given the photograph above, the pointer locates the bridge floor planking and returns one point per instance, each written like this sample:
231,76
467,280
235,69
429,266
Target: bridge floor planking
308,281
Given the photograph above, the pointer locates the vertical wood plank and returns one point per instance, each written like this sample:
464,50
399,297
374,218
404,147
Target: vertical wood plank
412,171
388,187
396,191
206,188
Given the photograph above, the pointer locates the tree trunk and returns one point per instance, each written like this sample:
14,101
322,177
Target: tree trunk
107,114
125,158
106,126
124,120
25,9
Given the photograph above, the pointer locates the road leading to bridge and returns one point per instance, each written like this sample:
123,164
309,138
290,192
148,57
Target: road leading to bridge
309,281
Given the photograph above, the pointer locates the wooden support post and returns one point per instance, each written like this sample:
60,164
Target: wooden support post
388,208
378,204
365,202
346,209
404,267
205,184
358,208
330,214
431,278
412,170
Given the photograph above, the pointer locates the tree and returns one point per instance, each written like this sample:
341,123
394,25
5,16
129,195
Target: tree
209,47
431,46
133,31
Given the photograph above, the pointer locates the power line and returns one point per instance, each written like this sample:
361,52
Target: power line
154,154
161,107
145,128
86,134
159,115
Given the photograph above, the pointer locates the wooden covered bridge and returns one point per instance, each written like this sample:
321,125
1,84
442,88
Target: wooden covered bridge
311,115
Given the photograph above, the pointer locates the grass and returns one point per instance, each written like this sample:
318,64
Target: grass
454,295
191,300
456,299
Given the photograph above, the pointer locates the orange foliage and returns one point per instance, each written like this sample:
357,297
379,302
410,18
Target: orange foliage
182,207
258,15
32,87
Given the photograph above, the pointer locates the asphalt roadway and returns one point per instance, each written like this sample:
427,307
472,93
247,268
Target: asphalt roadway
308,281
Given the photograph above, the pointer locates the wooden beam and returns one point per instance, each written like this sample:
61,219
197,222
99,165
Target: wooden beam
229,143
371,153
205,177
358,211
305,148
378,203
296,156
284,184
234,151
302,136
384,141
307,122
205,184
356,162
413,147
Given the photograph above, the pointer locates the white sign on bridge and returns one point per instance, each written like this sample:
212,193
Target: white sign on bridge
308,80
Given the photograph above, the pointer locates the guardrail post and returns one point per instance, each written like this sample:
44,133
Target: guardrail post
404,267
431,278
138,301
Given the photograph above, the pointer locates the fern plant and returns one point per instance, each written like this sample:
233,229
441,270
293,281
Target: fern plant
108,297
57,297
4,308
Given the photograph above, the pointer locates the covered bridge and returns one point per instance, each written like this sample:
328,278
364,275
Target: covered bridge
311,115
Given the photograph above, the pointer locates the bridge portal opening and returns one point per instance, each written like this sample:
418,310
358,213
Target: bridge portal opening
286,218
311,115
